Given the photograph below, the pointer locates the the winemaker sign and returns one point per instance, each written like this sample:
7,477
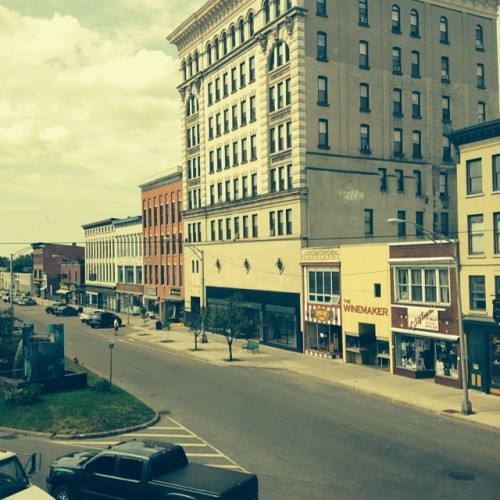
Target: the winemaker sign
423,318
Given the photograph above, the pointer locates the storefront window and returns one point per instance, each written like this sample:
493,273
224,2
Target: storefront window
446,359
495,359
414,353
281,329
326,338
422,285
324,286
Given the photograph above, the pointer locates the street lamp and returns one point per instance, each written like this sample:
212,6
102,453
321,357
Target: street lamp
12,287
201,255
466,404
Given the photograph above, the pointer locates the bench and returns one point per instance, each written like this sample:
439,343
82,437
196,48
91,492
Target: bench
251,345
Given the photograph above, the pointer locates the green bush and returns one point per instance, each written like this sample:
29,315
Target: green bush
102,385
25,396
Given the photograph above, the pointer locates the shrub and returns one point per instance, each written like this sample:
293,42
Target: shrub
25,396
102,385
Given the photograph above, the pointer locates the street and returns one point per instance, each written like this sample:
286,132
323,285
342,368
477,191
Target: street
302,437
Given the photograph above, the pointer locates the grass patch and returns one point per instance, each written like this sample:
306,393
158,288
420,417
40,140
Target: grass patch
79,411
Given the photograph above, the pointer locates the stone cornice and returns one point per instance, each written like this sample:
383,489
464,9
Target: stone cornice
484,7
320,255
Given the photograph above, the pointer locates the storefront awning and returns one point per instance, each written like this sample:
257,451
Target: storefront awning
63,292
432,335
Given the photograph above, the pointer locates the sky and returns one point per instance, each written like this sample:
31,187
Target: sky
88,110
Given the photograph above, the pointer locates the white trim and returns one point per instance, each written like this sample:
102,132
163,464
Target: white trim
421,333
408,261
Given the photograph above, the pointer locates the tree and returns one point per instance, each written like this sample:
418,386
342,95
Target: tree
232,321
23,264
4,262
6,324
193,321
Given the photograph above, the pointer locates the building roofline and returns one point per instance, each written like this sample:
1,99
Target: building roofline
475,133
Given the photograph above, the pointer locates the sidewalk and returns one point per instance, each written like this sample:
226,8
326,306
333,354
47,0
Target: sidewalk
423,394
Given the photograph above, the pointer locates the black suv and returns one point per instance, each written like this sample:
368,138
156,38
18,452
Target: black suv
103,319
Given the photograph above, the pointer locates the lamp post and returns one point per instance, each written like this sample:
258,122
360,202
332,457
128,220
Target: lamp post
466,404
12,287
201,255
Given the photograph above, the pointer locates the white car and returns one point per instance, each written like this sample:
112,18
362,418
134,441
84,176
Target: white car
84,317
6,297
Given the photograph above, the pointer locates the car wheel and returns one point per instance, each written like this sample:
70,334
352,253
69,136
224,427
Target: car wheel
64,492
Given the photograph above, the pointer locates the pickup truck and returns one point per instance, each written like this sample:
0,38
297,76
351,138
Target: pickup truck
14,481
145,470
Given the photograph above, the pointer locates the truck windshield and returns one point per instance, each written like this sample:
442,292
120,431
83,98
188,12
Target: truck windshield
12,477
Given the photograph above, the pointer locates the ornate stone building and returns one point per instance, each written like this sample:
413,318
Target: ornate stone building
310,123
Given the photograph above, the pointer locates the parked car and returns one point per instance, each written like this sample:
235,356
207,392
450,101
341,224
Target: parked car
6,297
50,309
84,317
65,310
27,301
103,319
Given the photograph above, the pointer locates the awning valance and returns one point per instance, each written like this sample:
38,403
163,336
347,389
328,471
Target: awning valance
63,292
432,335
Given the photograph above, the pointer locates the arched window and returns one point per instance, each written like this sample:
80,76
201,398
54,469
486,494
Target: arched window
190,67
232,36
277,8
479,38
216,49
414,23
192,105
443,30
241,29
266,10
196,61
209,54
183,69
224,43
251,26
279,56
396,19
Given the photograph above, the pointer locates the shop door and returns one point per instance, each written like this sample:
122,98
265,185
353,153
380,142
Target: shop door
477,367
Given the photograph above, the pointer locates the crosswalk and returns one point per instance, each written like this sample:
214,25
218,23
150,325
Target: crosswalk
197,449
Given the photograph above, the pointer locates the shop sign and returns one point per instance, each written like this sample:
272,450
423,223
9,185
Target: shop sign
175,291
150,290
322,314
359,309
423,318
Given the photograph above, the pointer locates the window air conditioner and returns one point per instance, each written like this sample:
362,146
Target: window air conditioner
363,20
479,44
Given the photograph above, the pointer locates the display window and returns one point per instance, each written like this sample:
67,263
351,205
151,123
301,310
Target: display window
447,359
495,359
414,353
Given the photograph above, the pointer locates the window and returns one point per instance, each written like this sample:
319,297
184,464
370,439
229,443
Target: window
368,222
251,69
251,24
243,112
243,80
477,293
479,38
402,225
272,99
496,233
288,221
415,105
364,97
234,116
321,7
397,104
445,109
446,148
398,142
288,92
414,23
396,61
443,30
443,185
400,178
323,133
253,180
429,285
480,83
226,121
253,147
382,173
322,90
365,138
241,29
234,81
496,172
418,182
474,174
217,89
445,70
321,52
235,154
481,112
227,156
363,12
245,226
419,224
444,223
267,11
417,144
415,64
476,234
244,150
324,286
396,19
255,226
364,60
280,55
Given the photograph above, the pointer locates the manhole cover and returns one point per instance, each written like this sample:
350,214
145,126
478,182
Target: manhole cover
461,476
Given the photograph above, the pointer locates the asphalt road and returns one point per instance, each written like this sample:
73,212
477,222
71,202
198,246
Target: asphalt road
304,439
